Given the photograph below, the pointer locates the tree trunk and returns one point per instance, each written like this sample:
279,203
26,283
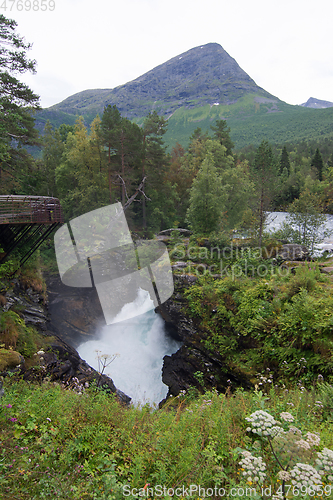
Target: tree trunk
144,220
123,195
261,217
109,173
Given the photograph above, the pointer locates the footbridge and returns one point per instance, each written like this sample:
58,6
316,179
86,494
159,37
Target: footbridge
25,222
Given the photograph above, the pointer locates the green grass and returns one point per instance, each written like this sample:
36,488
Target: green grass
56,443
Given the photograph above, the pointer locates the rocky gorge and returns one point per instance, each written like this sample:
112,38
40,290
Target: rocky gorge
69,316
64,317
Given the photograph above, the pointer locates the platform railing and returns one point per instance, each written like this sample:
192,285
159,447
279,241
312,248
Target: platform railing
17,209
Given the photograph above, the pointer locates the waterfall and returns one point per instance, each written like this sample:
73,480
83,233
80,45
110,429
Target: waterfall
141,343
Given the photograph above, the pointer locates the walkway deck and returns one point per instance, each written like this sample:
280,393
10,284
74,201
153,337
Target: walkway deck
25,222
16,209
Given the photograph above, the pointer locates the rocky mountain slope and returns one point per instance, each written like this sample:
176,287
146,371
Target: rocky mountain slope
202,75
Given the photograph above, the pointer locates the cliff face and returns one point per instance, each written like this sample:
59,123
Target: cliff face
180,369
75,314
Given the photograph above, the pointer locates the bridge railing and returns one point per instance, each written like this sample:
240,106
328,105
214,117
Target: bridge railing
17,209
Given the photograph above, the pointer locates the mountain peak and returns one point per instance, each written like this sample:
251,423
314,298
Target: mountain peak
314,103
206,74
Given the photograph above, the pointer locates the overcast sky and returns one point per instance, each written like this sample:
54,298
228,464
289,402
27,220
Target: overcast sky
286,46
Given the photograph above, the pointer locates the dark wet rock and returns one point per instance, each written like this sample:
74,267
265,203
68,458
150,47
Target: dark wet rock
76,315
62,363
179,265
179,369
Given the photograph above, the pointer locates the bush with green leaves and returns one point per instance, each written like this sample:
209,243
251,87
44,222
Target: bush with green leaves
271,322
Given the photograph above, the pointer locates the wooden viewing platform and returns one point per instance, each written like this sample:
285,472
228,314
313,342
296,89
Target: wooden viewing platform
25,222
16,209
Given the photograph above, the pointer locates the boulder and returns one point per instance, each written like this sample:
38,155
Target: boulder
179,265
9,359
292,251
181,232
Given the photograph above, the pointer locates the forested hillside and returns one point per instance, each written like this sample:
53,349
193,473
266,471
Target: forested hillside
89,168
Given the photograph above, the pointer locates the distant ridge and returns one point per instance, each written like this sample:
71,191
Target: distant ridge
317,104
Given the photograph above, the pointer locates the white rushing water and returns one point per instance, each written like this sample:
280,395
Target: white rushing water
275,220
141,343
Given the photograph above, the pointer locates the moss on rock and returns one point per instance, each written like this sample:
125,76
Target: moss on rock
9,359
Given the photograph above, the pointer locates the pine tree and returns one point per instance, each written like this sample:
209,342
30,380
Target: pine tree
221,134
318,164
17,102
154,162
110,122
123,141
264,173
52,151
207,199
284,161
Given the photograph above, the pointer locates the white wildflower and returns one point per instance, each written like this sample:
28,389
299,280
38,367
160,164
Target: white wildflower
286,416
283,475
294,430
312,439
263,423
305,445
305,475
253,466
325,462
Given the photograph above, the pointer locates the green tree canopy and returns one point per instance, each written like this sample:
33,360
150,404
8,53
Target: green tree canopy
221,134
318,164
207,199
305,224
17,103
